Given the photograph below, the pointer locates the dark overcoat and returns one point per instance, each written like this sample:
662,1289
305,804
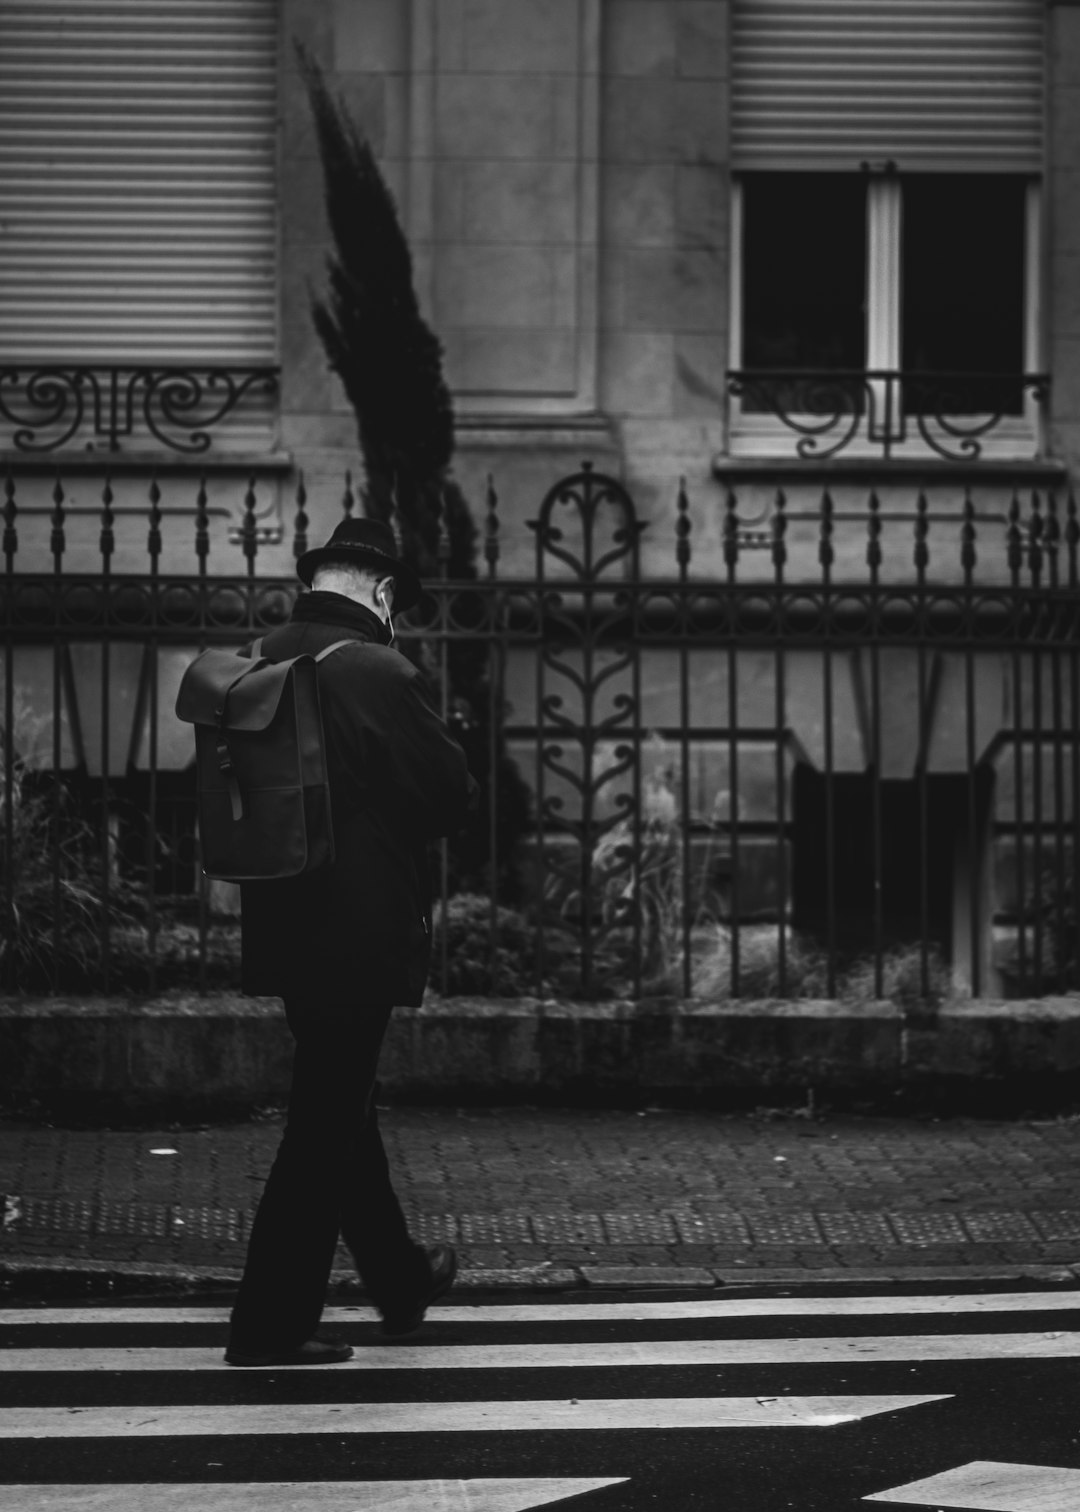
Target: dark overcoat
360,927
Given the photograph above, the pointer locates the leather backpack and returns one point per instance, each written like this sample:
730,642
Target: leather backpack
260,762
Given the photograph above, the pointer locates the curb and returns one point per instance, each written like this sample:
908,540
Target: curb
183,1052
120,1276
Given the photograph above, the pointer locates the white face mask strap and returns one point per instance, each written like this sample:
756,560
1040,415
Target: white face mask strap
389,621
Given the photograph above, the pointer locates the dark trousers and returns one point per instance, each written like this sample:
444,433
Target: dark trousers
330,1176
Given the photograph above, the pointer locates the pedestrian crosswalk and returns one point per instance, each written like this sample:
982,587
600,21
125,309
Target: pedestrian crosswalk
502,1407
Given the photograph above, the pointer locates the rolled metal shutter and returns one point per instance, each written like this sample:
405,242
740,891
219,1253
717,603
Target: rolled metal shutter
928,84
137,180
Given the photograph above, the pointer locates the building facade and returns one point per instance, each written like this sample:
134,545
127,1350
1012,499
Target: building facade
818,261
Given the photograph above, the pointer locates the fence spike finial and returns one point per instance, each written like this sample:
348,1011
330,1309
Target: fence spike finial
153,536
1035,540
491,527
873,532
1052,537
1014,538
826,553
731,531
682,529
11,511
301,522
107,538
348,498
1072,536
57,538
779,533
922,532
443,544
202,525
968,536
249,532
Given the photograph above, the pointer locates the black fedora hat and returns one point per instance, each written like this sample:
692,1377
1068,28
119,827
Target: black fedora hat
366,543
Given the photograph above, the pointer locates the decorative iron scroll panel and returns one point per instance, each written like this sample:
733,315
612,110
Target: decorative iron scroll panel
588,739
177,407
955,415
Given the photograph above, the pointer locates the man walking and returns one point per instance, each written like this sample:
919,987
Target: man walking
342,945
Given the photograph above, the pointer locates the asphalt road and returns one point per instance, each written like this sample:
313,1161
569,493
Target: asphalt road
732,1403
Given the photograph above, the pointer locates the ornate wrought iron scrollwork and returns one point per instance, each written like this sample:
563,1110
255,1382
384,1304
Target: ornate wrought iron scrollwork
952,413
56,398
588,732
823,409
178,406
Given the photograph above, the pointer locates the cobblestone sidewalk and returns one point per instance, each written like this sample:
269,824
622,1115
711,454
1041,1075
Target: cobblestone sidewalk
559,1196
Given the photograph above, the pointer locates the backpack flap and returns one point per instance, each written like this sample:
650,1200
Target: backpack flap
214,685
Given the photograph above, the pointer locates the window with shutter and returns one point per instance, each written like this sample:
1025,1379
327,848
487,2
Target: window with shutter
137,191
886,220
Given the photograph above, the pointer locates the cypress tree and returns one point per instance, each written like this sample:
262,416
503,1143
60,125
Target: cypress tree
376,339
390,363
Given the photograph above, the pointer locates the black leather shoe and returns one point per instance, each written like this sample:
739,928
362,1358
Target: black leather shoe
407,1319
311,1352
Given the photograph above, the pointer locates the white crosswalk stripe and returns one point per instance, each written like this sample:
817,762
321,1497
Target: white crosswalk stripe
992,1486
956,1304
112,1350
450,1417
1053,1345
308,1496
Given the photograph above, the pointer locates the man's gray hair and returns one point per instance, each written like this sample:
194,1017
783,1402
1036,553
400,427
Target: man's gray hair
352,574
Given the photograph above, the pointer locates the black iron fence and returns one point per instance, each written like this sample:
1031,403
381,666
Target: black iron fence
722,781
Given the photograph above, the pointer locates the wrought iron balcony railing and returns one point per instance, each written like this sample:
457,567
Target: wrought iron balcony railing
953,414
177,406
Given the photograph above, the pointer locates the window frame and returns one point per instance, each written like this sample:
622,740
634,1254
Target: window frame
766,436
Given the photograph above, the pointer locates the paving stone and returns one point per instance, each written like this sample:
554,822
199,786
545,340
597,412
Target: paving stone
785,1228
643,1228
927,1228
856,1228
568,1228
647,1275
434,1228
710,1228
986,1227
495,1228
227,1224
56,1213
555,1277
1063,1224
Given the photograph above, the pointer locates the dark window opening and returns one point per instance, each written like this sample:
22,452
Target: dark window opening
804,272
963,290
905,837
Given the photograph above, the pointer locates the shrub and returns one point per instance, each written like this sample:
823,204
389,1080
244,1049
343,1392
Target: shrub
806,973
500,964
1057,919
478,963
55,858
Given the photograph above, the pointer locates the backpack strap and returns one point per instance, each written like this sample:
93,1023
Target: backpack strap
225,762
329,650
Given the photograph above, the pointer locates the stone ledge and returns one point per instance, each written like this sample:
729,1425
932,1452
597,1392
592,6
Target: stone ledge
230,1049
